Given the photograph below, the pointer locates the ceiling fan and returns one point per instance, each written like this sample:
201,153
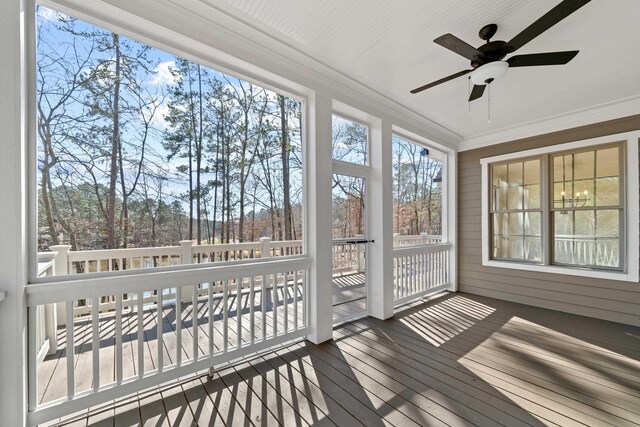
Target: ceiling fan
487,62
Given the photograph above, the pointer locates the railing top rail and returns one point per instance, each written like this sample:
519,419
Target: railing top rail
123,252
225,247
285,243
99,284
421,249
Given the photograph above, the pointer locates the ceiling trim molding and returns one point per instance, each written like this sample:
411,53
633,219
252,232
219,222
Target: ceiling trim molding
599,113
188,26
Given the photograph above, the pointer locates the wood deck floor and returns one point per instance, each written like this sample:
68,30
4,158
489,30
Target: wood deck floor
455,360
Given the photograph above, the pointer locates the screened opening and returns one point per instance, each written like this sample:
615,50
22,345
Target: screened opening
350,141
138,148
417,193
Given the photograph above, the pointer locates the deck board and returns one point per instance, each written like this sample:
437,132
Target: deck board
455,360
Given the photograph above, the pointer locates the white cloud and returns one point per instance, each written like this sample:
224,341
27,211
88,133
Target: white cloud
163,74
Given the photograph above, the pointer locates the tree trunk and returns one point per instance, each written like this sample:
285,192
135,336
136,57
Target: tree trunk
285,169
115,149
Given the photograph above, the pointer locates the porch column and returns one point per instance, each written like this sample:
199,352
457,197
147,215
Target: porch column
318,203
13,253
380,263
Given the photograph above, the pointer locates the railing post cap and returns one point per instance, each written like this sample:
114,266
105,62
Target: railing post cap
60,248
264,239
186,242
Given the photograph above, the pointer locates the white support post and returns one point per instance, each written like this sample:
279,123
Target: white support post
449,223
61,260
13,217
186,257
380,265
265,247
318,205
60,268
360,253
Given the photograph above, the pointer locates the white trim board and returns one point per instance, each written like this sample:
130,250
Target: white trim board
599,113
632,210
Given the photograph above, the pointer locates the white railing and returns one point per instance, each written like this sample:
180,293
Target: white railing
93,261
587,250
240,308
347,257
420,271
415,240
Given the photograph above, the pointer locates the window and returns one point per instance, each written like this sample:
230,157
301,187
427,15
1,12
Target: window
563,209
588,207
417,193
139,148
516,211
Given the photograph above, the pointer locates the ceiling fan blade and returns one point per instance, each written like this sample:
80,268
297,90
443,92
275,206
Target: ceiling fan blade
535,59
442,80
477,92
458,46
548,20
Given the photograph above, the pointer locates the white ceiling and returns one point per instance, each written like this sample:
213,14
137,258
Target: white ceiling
387,46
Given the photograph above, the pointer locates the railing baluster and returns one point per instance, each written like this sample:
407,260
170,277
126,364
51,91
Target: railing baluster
70,352
239,312
160,330
140,314
194,320
274,309
252,320
263,306
95,335
225,315
285,301
295,300
211,316
178,310
118,328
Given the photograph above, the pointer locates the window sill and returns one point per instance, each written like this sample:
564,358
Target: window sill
568,271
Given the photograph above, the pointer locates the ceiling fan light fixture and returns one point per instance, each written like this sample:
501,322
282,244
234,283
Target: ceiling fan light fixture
489,72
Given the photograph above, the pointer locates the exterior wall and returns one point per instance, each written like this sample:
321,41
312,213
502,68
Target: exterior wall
605,299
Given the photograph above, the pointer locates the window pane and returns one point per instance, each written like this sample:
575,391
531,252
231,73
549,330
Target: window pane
349,141
533,249
607,192
515,174
583,193
532,172
562,168
500,197
583,165
514,196
562,194
531,196
608,162
532,224
499,174
417,193
516,224
139,148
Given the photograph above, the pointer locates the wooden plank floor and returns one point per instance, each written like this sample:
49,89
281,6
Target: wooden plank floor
455,360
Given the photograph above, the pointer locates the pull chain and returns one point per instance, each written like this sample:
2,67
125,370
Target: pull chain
469,95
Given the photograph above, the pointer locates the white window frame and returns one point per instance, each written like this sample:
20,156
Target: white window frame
630,247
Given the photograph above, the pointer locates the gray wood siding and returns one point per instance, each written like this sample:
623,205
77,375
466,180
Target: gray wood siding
604,299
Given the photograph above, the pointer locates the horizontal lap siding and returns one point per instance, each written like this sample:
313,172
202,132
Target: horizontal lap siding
604,299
